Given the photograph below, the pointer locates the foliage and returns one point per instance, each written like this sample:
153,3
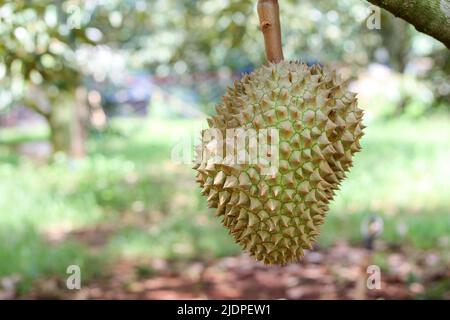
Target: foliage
43,41
224,36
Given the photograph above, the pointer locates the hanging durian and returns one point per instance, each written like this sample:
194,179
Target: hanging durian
276,216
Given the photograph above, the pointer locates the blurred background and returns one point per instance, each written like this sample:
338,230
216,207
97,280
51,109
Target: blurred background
96,94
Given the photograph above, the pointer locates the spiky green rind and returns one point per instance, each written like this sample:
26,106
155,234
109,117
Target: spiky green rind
275,218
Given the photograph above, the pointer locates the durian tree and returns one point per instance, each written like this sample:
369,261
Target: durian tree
40,71
38,58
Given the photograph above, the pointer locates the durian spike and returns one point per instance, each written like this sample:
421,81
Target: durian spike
269,21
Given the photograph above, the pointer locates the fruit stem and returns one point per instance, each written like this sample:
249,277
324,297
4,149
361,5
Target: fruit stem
269,21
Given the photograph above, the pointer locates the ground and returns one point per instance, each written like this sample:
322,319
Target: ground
339,272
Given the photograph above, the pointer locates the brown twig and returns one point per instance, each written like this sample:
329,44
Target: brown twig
269,21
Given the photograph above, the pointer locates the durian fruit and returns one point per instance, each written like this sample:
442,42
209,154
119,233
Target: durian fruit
276,217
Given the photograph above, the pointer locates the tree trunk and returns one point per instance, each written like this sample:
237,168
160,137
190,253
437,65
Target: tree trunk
396,37
66,117
78,126
431,17
59,125
58,138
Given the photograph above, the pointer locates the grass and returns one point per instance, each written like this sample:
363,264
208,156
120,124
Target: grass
129,182
15,136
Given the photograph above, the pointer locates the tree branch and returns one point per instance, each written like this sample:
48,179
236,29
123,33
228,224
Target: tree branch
269,20
33,106
431,17
35,100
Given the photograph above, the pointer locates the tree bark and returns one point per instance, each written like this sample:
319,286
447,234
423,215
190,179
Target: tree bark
397,39
66,117
431,17
58,135
78,126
